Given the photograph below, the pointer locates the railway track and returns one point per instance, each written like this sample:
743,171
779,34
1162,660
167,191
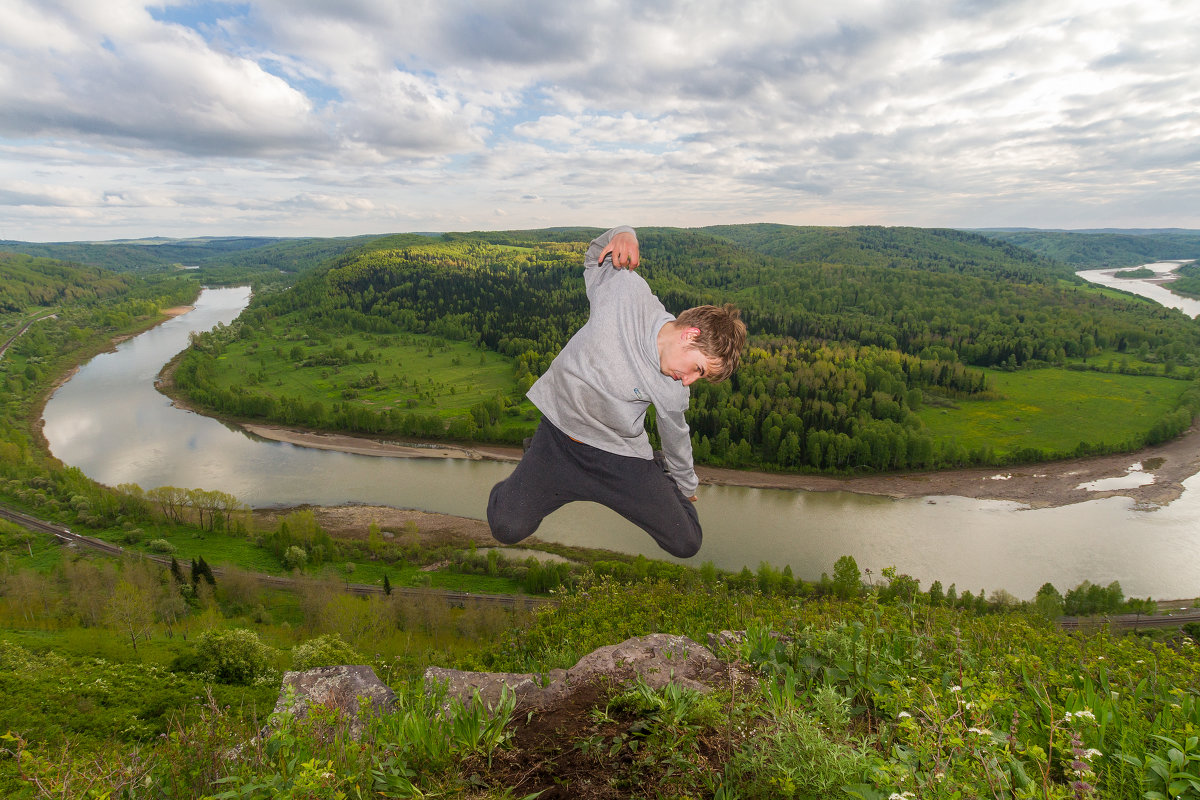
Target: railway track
69,538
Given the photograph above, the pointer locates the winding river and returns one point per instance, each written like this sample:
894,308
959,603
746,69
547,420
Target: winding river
110,422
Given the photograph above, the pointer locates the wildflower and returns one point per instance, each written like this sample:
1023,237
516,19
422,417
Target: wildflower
1084,714
955,689
980,731
900,795
903,715
1091,753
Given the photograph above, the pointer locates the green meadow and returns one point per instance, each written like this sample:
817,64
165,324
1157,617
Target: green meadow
381,372
1054,410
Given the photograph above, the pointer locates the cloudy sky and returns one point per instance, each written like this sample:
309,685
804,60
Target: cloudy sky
120,118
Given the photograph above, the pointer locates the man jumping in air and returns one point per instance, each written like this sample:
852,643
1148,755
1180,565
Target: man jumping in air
591,443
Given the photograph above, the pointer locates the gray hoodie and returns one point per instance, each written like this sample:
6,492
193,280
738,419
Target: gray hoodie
599,387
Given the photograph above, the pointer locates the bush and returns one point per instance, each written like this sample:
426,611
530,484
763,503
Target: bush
324,651
161,546
234,656
295,557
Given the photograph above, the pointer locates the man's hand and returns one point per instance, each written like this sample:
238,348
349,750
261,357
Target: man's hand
624,251
692,498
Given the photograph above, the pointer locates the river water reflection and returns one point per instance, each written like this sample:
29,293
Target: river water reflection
109,421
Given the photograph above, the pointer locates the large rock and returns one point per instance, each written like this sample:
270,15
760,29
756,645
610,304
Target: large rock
657,659
341,689
529,688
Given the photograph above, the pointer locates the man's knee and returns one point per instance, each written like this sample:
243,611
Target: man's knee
506,527
507,531
684,545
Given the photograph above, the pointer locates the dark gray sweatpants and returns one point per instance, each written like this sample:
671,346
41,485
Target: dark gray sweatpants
557,470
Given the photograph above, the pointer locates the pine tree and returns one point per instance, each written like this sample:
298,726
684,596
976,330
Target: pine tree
387,586
206,572
176,572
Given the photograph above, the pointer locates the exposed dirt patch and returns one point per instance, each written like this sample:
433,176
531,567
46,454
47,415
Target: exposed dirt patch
352,522
584,750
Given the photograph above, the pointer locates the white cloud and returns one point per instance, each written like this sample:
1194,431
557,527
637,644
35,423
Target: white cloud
303,115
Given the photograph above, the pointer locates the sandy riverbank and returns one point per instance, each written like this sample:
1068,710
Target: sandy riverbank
1052,484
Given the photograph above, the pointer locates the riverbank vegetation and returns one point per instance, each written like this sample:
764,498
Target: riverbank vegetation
1188,282
873,349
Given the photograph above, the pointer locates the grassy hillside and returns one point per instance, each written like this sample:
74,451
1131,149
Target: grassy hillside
860,692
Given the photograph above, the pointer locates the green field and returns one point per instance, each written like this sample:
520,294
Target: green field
406,372
1054,410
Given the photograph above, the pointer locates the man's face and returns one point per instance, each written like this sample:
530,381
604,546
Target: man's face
680,360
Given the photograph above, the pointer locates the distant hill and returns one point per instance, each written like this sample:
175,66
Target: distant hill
1094,250
935,249
32,281
220,258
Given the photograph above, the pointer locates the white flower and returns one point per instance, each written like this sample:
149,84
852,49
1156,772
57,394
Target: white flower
903,715
1084,714
900,795
1092,753
955,689
980,731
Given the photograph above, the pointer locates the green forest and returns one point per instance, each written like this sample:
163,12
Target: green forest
854,333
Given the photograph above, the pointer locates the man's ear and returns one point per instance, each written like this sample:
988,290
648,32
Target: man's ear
689,334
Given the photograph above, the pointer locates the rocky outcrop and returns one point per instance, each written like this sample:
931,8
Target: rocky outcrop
657,660
338,689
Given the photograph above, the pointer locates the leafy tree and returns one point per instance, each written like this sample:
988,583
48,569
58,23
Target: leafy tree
295,558
1048,602
234,656
847,579
130,610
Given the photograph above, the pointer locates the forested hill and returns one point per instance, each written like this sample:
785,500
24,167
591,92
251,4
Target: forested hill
27,281
1088,250
931,249
218,260
936,294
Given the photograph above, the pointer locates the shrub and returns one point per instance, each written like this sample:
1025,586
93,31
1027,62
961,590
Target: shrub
161,546
233,656
324,651
295,557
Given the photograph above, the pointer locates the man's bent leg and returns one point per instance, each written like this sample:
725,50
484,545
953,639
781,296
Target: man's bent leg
640,491
518,504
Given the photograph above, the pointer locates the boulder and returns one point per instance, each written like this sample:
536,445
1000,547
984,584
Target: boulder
340,689
657,659
529,688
